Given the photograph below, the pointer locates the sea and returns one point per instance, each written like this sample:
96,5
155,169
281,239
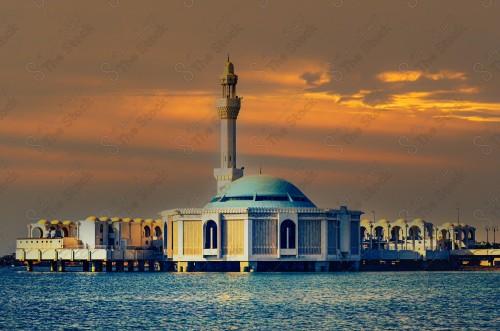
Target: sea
42,300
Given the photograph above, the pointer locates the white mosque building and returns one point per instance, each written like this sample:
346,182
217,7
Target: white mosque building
254,223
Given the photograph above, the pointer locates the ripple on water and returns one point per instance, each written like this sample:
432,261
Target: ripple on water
263,301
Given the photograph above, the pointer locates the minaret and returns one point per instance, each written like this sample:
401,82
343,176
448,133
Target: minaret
228,107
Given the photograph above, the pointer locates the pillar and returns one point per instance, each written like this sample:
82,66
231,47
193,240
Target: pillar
85,266
162,266
183,266
96,266
29,266
130,265
140,265
151,266
247,266
53,266
109,266
62,266
320,266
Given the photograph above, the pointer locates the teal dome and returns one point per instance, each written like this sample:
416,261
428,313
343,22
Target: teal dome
260,191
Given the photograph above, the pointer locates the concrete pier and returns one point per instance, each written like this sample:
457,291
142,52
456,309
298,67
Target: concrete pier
109,266
130,265
62,266
29,266
96,266
53,266
85,266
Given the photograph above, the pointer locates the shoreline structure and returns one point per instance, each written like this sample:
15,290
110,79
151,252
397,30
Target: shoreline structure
254,223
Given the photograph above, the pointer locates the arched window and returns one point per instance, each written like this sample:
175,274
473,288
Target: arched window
396,233
287,235
379,232
65,232
157,231
210,235
101,229
147,231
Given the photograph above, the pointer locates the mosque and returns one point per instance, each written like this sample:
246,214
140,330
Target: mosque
254,223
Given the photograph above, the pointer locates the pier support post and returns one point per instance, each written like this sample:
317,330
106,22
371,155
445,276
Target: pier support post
248,266
119,265
320,266
130,265
62,266
109,266
85,266
53,266
96,266
29,266
182,267
140,265
161,266
151,266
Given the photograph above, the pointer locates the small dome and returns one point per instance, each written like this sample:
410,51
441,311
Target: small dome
92,218
138,220
366,223
127,220
260,191
401,221
149,220
55,222
159,220
67,222
104,219
116,219
383,221
43,222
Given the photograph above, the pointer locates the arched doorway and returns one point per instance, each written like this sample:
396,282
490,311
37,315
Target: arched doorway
37,233
210,235
157,231
65,232
287,234
147,231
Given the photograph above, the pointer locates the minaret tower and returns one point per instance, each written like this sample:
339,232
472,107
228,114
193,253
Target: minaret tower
228,107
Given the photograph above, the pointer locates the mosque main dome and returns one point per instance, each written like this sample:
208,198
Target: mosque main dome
260,191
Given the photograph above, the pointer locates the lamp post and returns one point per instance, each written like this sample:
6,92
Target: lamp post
487,229
495,229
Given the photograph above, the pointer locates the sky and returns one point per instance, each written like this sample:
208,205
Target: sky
107,108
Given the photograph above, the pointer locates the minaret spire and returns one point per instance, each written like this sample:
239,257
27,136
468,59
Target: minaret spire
228,108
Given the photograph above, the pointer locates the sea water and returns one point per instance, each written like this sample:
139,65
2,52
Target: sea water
258,301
